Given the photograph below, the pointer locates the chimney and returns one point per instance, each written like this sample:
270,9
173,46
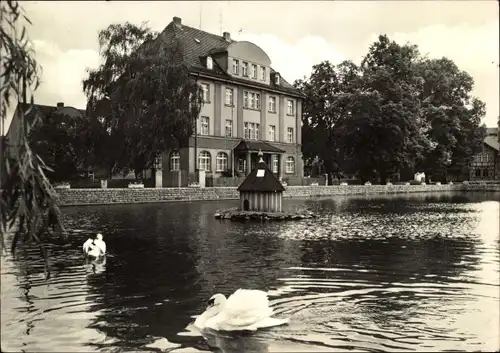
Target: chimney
178,21
227,36
60,104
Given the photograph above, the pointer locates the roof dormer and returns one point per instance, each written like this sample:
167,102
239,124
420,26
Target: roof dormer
276,78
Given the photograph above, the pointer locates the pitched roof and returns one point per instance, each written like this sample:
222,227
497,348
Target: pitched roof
245,145
41,110
44,109
492,141
196,44
261,179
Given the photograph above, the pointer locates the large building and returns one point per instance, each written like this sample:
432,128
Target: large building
247,107
486,164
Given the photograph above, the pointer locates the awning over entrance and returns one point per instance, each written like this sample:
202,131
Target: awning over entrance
256,146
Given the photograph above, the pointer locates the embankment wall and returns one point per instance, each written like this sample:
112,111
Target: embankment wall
73,197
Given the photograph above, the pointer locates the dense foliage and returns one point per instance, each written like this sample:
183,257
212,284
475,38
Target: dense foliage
65,143
141,97
397,111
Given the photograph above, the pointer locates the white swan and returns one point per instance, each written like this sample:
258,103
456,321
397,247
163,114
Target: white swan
94,247
245,309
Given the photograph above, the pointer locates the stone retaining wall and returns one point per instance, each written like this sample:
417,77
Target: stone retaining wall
73,197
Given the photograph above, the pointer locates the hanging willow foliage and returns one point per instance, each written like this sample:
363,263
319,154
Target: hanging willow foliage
28,204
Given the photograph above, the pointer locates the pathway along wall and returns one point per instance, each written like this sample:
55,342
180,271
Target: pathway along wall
74,197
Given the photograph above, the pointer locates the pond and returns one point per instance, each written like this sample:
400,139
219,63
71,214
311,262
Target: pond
372,273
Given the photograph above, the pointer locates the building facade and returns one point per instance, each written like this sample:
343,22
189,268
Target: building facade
247,107
486,164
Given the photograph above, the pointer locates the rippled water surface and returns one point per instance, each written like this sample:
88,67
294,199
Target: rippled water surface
416,273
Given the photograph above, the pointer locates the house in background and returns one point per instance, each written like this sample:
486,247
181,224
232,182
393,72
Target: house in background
486,164
247,107
13,134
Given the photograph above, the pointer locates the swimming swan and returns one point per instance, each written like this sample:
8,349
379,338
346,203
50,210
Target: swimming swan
245,309
94,247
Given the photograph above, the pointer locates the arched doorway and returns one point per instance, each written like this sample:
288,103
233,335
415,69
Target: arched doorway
246,205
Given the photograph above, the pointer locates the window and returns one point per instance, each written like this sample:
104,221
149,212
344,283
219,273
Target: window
206,92
245,99
221,162
244,69
275,163
272,104
210,63
204,161
277,78
175,159
251,100
229,128
289,134
263,73
204,125
485,173
482,157
289,107
251,131
242,163
254,71
478,173
272,133
236,67
290,165
229,96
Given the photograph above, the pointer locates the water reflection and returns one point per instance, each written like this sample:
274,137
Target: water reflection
236,343
371,273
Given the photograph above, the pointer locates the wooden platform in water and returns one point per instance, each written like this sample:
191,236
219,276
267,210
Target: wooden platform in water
236,214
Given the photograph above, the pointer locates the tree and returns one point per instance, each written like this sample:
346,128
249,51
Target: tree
453,115
142,96
323,111
384,131
64,143
27,200
396,112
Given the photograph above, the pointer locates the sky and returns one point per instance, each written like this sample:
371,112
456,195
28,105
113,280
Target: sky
295,34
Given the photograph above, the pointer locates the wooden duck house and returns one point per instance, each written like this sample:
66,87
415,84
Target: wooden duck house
261,191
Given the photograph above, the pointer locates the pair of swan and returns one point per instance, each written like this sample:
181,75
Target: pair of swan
244,310
94,247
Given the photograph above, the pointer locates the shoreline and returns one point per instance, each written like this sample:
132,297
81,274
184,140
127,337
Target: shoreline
90,197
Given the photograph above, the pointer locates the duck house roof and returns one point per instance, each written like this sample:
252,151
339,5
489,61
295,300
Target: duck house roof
261,179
